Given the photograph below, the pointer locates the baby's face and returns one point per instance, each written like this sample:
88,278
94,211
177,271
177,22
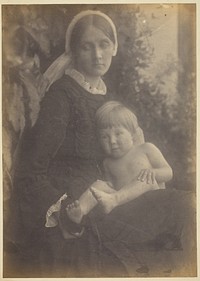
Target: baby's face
116,141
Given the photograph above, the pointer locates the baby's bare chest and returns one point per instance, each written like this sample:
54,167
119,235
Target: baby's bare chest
123,172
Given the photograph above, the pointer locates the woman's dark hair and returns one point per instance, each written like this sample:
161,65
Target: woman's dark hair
90,20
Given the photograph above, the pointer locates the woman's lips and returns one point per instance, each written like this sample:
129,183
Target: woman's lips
115,148
98,64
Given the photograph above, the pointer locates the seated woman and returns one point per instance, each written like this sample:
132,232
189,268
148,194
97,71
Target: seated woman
60,158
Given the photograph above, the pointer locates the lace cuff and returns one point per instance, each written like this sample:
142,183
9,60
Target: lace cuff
51,215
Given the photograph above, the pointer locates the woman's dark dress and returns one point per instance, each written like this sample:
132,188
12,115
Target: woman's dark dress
61,155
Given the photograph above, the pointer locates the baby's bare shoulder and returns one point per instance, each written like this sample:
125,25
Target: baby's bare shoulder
148,147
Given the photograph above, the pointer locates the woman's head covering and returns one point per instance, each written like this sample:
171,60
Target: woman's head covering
64,62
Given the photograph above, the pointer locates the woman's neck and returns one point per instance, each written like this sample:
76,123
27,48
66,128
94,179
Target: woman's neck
98,88
92,80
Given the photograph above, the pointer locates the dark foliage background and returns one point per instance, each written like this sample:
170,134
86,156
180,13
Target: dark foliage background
34,35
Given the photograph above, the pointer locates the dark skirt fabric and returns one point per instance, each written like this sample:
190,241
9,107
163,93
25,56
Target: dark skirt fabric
150,215
159,221
162,220
153,214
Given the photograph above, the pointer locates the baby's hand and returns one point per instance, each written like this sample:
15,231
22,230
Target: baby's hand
147,175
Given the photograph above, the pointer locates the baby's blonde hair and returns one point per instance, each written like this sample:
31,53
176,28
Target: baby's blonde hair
114,113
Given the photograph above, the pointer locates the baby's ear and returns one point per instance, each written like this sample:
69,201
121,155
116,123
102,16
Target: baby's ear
134,137
140,135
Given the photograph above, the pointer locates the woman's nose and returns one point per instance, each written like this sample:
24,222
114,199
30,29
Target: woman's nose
97,52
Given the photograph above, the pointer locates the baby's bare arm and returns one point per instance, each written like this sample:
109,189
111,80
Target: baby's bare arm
161,170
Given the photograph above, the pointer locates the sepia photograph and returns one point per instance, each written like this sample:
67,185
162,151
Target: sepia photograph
99,140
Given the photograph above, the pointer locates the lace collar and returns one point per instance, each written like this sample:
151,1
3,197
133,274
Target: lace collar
80,79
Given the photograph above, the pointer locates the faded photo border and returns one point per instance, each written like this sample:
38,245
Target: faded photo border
197,179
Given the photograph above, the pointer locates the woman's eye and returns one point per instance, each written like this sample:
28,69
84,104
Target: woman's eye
104,137
85,47
105,44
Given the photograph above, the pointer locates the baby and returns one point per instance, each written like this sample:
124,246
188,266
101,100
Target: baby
129,161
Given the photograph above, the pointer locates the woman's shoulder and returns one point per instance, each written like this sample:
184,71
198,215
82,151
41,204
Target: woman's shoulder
67,90
64,83
62,89
69,87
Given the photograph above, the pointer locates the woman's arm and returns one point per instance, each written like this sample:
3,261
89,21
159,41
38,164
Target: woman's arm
36,192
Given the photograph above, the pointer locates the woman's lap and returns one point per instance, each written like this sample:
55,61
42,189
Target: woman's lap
133,224
156,213
140,221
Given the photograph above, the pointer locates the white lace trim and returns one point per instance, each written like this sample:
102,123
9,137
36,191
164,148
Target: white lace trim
80,79
51,218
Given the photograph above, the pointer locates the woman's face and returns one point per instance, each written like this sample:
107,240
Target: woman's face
94,54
